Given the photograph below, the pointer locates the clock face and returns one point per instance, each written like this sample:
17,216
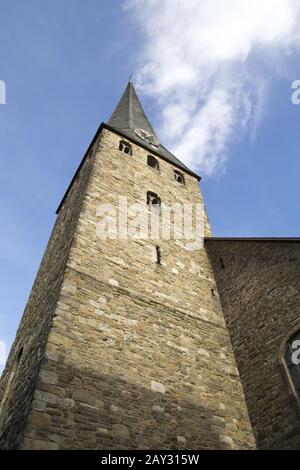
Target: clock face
151,139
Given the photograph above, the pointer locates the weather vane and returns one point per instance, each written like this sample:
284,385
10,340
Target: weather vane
130,78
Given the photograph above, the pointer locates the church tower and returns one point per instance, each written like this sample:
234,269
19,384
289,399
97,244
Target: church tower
123,343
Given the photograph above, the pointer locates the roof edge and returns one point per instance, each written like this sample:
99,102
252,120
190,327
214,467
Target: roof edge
157,154
80,166
102,126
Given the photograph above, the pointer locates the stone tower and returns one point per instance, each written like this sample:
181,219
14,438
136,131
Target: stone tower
123,342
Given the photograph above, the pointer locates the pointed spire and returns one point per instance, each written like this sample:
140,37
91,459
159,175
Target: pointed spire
129,116
129,113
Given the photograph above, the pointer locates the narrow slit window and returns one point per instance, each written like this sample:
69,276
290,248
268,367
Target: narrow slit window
153,162
125,147
153,199
179,177
158,255
222,263
292,360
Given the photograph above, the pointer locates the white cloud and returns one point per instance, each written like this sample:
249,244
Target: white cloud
196,61
2,353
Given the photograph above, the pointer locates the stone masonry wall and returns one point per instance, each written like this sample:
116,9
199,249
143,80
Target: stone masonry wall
138,354
16,394
259,287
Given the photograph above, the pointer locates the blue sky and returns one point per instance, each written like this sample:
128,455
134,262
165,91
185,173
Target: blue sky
65,64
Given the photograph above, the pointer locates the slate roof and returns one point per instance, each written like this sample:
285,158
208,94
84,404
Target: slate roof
130,115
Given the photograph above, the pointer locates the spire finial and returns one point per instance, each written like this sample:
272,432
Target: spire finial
130,78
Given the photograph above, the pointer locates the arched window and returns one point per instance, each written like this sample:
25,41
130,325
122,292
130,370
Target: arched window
125,147
292,361
153,162
153,199
179,177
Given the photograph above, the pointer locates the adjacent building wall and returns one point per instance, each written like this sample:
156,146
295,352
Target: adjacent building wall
259,287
